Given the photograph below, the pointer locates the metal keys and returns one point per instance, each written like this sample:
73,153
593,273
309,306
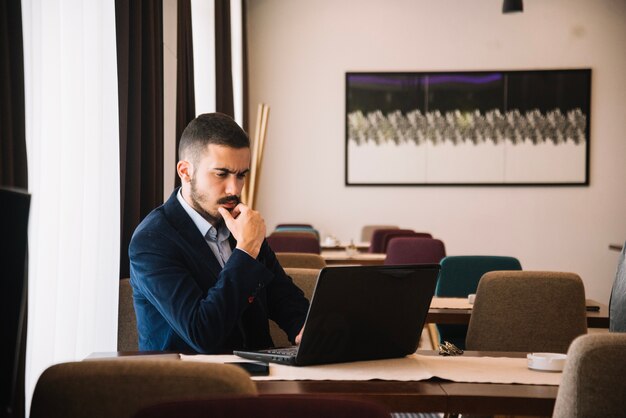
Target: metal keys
449,349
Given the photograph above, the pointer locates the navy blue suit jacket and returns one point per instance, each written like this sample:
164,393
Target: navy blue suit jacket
185,301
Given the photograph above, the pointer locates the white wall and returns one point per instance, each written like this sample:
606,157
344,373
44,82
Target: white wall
299,51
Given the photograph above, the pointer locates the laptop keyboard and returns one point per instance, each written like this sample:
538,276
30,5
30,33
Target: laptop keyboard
288,351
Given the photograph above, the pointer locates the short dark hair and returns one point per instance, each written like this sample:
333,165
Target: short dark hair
211,128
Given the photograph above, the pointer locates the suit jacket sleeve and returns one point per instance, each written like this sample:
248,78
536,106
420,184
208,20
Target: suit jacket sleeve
286,302
161,270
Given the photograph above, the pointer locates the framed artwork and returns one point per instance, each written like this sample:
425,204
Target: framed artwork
468,128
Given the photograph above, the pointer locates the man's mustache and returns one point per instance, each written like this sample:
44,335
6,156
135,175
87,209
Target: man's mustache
229,199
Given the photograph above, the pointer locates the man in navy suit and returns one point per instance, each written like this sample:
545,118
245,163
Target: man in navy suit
204,279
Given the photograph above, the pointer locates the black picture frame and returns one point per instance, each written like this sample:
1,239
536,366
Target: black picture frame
468,128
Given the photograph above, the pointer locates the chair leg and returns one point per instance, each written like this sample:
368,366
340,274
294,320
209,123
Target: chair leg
434,335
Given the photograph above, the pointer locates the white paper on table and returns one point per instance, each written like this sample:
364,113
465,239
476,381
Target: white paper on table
411,368
450,303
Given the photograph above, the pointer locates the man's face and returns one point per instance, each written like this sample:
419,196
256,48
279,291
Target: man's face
216,179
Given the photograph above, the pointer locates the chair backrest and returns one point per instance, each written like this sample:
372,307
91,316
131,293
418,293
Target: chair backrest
298,228
459,277
593,380
309,234
288,406
127,337
368,230
305,279
391,235
294,244
14,213
460,274
527,311
294,226
121,387
411,250
377,243
617,303
301,260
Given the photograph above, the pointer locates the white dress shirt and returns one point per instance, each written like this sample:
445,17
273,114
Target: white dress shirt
217,239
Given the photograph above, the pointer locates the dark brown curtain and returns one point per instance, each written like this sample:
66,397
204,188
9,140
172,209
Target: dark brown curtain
185,97
13,174
13,169
223,62
139,28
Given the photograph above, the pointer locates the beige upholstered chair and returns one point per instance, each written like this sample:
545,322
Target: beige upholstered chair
527,311
617,302
127,339
301,260
368,230
593,382
305,279
121,387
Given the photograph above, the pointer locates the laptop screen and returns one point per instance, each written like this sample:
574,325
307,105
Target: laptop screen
367,312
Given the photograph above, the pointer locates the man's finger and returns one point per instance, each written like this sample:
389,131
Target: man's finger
241,207
236,211
299,336
228,218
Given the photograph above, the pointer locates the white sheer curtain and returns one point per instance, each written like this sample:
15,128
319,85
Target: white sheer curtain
72,135
236,41
203,33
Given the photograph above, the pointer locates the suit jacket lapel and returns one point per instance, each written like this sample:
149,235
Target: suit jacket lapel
232,241
190,233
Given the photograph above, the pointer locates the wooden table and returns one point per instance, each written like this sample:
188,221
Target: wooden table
334,258
434,395
595,319
430,396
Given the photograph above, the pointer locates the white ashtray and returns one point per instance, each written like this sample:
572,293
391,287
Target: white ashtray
551,362
471,298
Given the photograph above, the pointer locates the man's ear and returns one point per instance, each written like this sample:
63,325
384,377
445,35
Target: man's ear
185,171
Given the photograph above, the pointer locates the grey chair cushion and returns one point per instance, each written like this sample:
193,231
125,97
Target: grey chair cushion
301,260
305,279
593,379
121,387
527,311
617,304
127,339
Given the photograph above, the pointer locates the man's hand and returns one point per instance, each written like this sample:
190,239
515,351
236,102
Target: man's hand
247,226
299,336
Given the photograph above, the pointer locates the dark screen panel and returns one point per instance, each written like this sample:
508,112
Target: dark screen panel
14,210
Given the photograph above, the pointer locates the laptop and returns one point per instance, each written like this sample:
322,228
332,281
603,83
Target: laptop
360,313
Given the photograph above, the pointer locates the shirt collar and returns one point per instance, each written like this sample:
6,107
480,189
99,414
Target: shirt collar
202,224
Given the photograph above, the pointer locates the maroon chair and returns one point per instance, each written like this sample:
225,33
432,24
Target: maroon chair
389,235
294,226
287,406
411,250
377,244
294,244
